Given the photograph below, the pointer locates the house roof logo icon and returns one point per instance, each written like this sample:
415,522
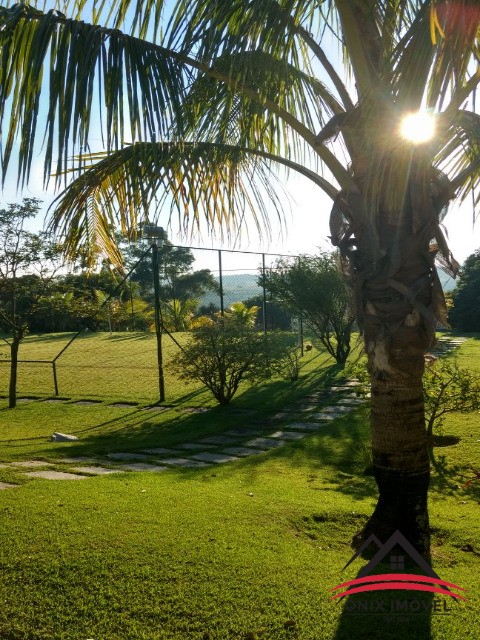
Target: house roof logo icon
428,581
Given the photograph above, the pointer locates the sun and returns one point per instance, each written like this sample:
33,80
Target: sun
418,127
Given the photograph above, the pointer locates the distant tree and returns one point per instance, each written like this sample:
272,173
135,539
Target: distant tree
177,315
28,263
178,280
314,286
465,314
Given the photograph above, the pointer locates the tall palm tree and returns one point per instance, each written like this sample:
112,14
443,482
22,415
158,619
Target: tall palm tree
226,93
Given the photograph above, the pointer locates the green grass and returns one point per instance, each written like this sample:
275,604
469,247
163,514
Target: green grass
237,552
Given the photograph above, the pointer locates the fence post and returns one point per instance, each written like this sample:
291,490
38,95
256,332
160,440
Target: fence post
55,381
264,295
220,278
158,323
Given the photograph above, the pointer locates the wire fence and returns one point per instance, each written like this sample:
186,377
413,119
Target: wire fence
158,329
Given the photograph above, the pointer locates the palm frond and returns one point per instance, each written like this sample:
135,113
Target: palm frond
221,184
140,86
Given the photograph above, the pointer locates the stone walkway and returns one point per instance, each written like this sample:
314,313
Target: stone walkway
306,417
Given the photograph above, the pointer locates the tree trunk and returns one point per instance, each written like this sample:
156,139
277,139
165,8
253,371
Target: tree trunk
398,331
12,391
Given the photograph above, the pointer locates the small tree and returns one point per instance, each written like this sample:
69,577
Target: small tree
314,286
224,351
28,263
447,388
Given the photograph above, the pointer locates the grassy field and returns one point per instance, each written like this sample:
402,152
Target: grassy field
244,551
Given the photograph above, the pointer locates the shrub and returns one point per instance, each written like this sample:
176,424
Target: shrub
223,352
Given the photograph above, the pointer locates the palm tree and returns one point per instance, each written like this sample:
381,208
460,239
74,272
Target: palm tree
221,97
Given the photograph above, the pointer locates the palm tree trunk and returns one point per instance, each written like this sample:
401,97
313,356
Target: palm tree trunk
400,453
398,330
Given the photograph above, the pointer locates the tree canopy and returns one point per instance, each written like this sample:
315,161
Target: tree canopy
465,314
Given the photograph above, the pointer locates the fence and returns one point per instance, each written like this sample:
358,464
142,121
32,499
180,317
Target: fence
236,276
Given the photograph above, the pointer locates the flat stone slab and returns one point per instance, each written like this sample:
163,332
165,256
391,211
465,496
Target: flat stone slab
55,475
8,485
143,466
337,409
124,405
74,460
217,458
97,471
265,443
183,462
195,446
127,456
194,410
160,451
324,416
305,426
31,463
287,435
245,432
218,440
352,401
87,402
242,452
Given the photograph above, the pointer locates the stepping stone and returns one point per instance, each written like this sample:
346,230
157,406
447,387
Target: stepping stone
142,466
127,456
337,409
97,471
26,399
194,410
55,475
244,432
287,435
243,452
124,405
218,440
160,451
217,458
304,426
77,459
155,407
324,416
31,463
341,389
265,443
183,462
195,446
352,401
56,400
8,485
87,402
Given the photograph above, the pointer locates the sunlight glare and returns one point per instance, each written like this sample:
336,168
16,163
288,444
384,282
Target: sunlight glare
418,127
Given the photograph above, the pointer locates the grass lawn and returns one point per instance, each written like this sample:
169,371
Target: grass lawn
241,551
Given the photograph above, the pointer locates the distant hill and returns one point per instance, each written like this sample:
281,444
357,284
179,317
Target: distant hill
243,286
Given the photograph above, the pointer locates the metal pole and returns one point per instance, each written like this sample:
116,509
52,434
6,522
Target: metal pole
264,296
55,380
158,324
220,278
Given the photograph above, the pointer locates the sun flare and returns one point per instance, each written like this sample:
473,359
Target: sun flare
418,127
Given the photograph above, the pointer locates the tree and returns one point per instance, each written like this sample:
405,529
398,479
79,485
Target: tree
314,287
178,281
226,350
28,262
229,91
465,313
449,388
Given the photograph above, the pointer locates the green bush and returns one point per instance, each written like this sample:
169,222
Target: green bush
224,351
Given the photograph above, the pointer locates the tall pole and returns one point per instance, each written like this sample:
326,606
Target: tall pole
158,324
